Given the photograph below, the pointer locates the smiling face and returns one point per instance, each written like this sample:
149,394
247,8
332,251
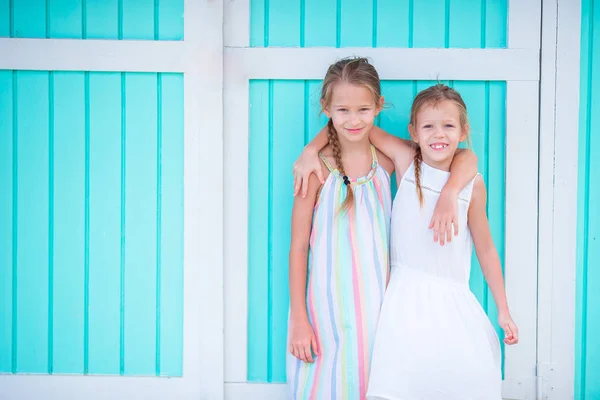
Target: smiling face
438,130
353,109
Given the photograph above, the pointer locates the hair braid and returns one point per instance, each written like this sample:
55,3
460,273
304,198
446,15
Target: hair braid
417,164
337,155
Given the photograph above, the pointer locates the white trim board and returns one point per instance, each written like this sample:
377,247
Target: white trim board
559,121
425,64
112,387
203,226
98,55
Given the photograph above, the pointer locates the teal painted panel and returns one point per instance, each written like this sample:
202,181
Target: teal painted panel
170,225
284,115
587,348
356,22
32,236
29,19
380,23
259,228
459,34
393,23
102,19
283,23
104,224
68,217
141,239
321,13
91,223
496,23
65,18
5,18
429,23
138,19
93,19
7,203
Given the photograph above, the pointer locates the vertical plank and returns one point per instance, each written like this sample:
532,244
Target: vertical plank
429,23
393,23
496,137
69,222
260,145
138,19
320,23
465,23
288,139
283,23
171,225
32,217
140,224
102,19
592,347
496,23
356,23
29,18
65,19
258,23
105,101
395,117
6,219
170,19
473,93
5,18
315,120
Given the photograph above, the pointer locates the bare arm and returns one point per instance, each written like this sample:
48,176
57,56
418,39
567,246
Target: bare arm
302,336
489,260
445,215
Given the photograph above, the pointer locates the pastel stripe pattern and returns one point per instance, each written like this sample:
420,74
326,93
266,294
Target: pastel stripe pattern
348,266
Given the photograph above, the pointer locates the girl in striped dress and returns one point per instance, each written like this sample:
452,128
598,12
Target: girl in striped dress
340,231
339,254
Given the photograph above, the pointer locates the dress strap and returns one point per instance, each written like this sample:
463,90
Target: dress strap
324,159
374,154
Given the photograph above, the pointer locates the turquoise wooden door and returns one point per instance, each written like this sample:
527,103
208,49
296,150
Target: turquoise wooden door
105,223
275,71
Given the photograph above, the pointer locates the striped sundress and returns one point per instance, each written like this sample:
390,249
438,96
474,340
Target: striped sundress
348,264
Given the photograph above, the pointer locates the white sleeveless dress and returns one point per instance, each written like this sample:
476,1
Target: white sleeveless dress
433,340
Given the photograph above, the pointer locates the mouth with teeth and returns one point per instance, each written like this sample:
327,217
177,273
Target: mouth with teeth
438,146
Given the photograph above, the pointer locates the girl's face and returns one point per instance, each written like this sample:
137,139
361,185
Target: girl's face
438,131
353,110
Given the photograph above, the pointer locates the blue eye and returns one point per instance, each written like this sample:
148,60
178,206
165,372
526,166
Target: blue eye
427,126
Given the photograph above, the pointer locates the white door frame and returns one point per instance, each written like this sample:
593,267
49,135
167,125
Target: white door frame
518,65
557,240
200,58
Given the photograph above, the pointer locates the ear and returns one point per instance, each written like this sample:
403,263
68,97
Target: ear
464,132
413,133
380,104
325,109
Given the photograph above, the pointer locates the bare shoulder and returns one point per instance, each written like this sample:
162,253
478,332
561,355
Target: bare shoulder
479,195
385,162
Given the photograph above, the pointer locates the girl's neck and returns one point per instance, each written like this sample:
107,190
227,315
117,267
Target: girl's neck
355,148
443,165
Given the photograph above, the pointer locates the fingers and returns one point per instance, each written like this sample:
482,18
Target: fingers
455,224
436,230
315,346
320,176
304,186
511,334
449,231
297,182
307,353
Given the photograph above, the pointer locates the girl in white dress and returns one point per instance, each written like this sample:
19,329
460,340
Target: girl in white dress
433,340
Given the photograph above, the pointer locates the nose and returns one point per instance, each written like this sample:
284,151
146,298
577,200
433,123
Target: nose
355,119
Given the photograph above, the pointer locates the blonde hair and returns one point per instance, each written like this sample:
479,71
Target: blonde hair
356,71
432,96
